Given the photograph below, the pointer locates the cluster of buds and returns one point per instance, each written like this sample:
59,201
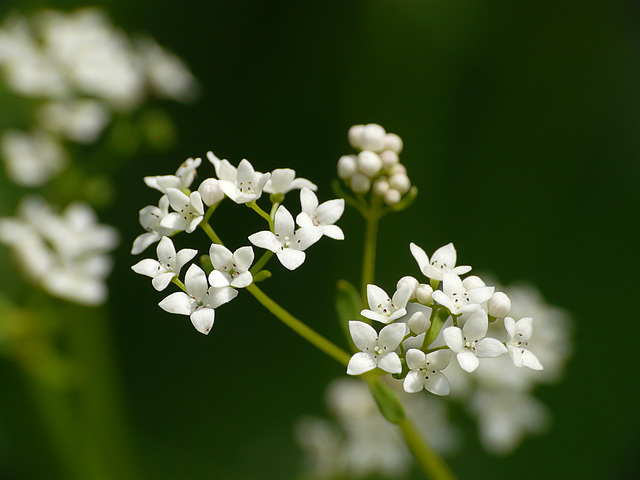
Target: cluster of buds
377,166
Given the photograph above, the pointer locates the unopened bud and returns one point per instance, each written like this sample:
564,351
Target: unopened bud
346,166
472,282
373,138
400,182
499,305
355,136
418,323
380,186
424,293
360,183
398,168
369,163
389,159
408,282
393,142
210,191
392,196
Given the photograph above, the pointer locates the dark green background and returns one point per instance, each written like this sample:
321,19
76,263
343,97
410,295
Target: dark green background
521,125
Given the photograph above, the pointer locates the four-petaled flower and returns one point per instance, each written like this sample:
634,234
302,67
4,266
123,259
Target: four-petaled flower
167,266
458,299
287,244
283,180
469,343
151,220
230,269
377,350
189,211
425,372
200,300
443,260
241,185
384,309
323,216
181,180
519,335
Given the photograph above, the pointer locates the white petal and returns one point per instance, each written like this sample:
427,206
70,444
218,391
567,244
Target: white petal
376,296
468,361
203,319
401,297
421,257
178,302
266,240
177,199
305,237
290,258
331,211
280,182
148,267
308,201
219,296
531,361
220,256
415,359
242,280
371,315
439,360
490,347
437,384
364,336
195,281
445,255
304,220
243,258
360,363
333,231
525,327
413,382
480,294
451,283
283,222
141,242
166,251
193,224
391,335
453,338
219,279
184,256
440,297
476,327
174,221
462,269
510,327
516,355
300,183
390,363
162,281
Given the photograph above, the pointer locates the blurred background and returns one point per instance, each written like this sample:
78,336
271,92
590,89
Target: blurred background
521,127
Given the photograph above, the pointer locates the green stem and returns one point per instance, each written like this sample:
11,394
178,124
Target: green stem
209,231
432,465
262,262
369,256
299,327
254,206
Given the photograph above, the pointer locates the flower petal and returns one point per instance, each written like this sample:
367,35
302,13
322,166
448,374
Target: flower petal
148,267
333,231
219,296
305,237
364,336
445,255
467,360
415,359
476,327
480,294
391,335
203,319
221,256
166,251
243,280
283,222
437,383
162,281
453,338
266,240
290,258
308,202
510,327
376,297
420,255
490,347
243,258
413,382
179,303
530,360
195,281
330,211
360,363
184,256
440,297
390,363
438,360
219,279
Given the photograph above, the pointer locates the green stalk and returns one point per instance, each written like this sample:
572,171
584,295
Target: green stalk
430,463
209,231
369,256
299,327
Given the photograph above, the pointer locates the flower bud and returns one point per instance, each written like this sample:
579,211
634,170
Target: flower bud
381,186
346,166
355,136
499,305
392,196
360,183
472,282
210,191
389,159
408,282
424,293
393,142
373,138
418,323
398,168
369,163
400,182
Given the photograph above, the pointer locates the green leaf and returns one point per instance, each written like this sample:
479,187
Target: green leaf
389,405
348,306
436,325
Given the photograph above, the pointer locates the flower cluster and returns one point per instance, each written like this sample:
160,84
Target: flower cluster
377,166
64,254
182,209
85,73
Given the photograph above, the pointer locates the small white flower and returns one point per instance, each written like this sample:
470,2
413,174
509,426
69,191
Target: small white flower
323,216
469,343
189,211
283,181
499,305
167,266
210,191
241,185
377,350
458,299
288,245
200,301
519,335
384,309
443,260
231,269
182,180
425,372
151,219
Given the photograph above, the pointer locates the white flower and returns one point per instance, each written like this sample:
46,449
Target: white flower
443,260
288,245
499,305
231,269
200,300
425,372
167,266
323,216
182,180
210,191
241,185
82,121
458,299
519,335
470,343
384,309
377,350
283,180
151,220
188,213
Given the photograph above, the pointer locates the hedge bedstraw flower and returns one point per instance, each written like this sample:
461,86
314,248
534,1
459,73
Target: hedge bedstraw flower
230,269
151,220
384,309
443,260
167,266
458,299
189,211
320,216
241,185
377,350
283,180
425,372
519,335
